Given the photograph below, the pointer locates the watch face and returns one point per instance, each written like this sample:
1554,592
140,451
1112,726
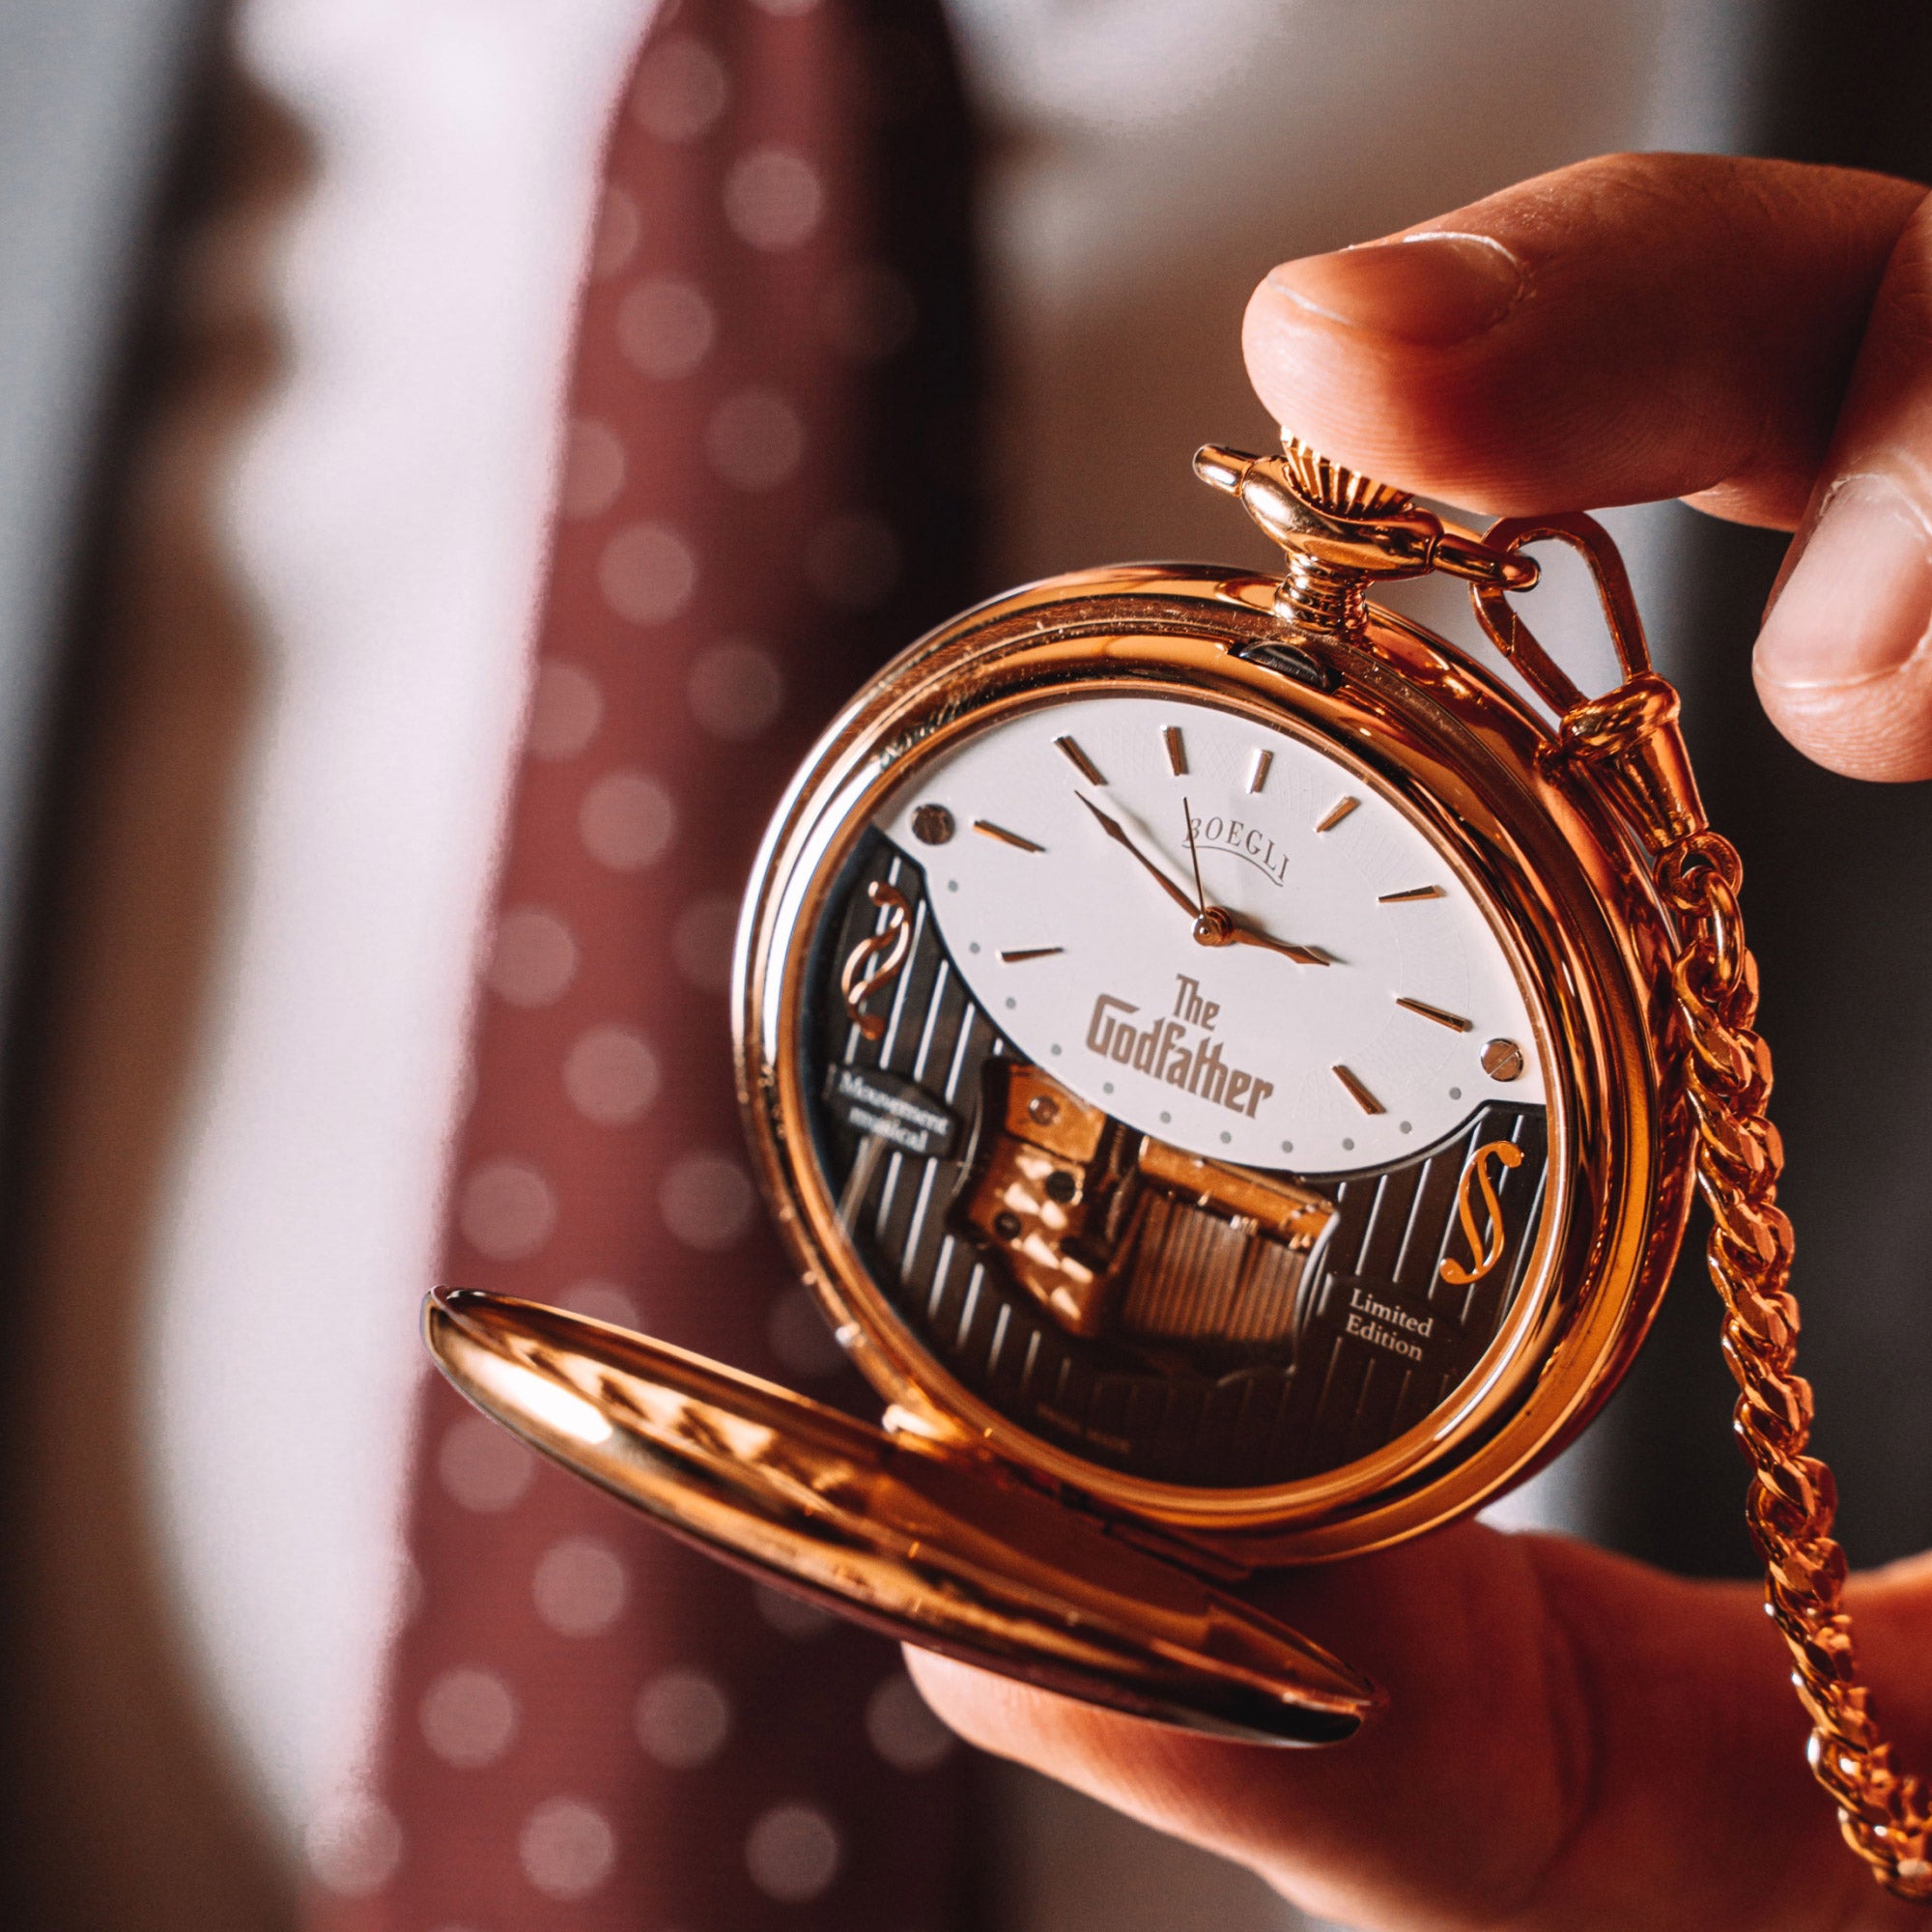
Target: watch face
1175,1089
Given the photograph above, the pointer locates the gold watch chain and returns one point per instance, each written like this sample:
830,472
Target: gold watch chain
1882,1812
1630,744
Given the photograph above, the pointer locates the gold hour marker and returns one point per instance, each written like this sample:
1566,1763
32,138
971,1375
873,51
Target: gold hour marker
1336,815
1176,751
1036,953
1413,893
1005,837
1080,761
1359,1094
1435,1014
1259,777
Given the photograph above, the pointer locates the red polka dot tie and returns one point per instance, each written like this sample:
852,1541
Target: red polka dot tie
766,492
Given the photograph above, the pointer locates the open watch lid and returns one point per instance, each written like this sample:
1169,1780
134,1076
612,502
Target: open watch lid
906,1535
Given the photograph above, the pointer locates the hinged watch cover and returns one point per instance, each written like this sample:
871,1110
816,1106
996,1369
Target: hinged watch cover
890,1529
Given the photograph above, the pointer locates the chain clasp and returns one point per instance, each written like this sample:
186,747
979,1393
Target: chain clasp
1630,738
1340,531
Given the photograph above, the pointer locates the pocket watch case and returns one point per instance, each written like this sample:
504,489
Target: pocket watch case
1211,1047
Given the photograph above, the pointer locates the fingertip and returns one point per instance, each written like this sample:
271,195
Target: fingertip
1395,359
1004,1715
1433,288
1879,729
969,1700
1330,382
1209,1790
1843,663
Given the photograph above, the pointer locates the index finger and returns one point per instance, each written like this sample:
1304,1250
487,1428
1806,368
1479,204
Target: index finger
1633,327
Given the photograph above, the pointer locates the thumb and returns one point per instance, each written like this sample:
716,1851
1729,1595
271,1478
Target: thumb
1844,659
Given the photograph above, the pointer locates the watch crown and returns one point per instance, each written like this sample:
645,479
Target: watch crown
1341,493
1339,529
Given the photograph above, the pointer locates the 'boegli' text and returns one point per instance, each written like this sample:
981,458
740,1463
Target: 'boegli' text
1244,840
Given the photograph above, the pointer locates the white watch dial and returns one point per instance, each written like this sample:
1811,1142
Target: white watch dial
1358,1005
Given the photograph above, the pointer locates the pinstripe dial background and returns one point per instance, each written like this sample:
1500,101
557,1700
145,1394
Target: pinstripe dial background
1202,1414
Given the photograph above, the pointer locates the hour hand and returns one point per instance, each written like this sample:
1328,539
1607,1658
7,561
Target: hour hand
1306,955
1112,828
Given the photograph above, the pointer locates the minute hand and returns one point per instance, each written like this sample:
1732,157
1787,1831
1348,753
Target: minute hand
1112,829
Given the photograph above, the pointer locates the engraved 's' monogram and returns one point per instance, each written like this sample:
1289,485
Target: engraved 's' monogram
894,940
1485,1249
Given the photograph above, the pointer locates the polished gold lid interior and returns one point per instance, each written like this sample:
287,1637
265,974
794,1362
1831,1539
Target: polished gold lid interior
927,1544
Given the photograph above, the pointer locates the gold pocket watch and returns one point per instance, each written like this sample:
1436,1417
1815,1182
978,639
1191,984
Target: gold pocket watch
1233,1073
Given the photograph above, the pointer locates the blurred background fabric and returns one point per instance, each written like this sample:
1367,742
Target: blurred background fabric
287,294
767,487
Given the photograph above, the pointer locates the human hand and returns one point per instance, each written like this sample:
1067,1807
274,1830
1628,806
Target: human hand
1575,1742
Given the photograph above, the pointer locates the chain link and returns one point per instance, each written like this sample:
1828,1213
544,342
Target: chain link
1884,1814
